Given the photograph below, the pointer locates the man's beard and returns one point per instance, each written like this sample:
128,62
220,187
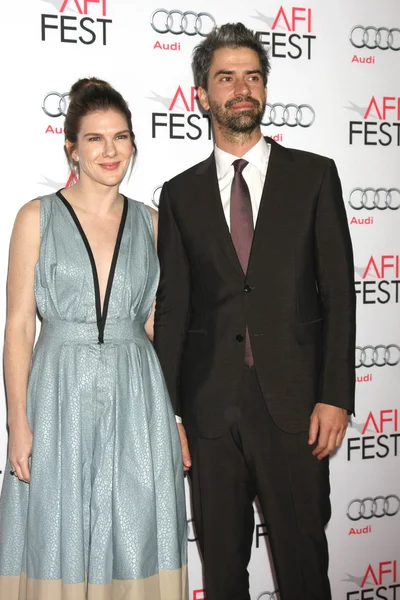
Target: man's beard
243,121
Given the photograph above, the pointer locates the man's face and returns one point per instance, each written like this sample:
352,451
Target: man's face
236,95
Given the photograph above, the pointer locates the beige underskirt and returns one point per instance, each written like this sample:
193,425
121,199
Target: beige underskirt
166,585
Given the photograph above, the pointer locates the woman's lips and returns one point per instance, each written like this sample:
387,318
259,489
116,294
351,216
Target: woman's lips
110,166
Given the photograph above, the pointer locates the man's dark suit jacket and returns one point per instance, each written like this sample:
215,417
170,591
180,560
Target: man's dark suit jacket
297,297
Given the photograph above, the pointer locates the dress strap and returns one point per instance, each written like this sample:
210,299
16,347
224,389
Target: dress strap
46,203
146,214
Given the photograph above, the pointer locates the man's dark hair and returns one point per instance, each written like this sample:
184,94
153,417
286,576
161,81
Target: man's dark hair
230,35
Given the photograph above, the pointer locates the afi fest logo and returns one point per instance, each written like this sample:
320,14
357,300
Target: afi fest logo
379,436
380,580
181,118
56,185
289,33
86,25
178,23
380,124
380,280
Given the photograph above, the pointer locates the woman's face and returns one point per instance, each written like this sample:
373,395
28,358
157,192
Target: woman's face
104,147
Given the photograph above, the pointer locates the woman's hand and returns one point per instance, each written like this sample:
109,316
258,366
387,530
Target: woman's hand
187,461
20,449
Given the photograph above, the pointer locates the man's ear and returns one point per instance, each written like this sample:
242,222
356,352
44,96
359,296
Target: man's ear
203,98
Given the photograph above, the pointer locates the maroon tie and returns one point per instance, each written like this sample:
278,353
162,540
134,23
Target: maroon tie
242,230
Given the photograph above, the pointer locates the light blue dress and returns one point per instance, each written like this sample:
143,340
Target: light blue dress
104,515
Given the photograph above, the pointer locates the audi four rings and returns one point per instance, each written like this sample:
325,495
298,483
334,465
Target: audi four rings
377,356
55,104
375,37
375,198
177,22
381,506
155,198
292,115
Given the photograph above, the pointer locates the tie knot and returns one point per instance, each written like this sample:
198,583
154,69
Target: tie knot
239,165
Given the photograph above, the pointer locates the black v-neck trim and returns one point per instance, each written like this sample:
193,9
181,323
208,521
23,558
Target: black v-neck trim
100,316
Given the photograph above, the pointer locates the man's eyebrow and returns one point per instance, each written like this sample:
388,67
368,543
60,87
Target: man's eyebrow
223,72
231,72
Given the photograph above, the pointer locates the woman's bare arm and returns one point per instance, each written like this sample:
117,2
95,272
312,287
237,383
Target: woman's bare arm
20,331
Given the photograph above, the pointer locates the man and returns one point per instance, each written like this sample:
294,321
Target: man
255,330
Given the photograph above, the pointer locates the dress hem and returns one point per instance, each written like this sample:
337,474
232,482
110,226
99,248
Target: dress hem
165,585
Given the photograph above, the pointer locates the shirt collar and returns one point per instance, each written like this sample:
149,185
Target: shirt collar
257,156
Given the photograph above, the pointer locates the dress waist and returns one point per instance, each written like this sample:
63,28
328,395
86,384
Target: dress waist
121,330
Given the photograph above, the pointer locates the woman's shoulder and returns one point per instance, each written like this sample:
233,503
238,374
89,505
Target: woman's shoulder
27,223
33,206
29,212
35,213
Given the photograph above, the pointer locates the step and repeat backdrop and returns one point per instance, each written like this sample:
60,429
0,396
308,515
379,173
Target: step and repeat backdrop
334,89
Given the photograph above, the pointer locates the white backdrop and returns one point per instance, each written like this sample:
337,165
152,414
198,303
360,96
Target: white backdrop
341,60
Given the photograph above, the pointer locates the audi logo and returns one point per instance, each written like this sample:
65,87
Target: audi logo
375,198
155,197
381,506
55,104
177,22
292,115
375,37
377,356
271,595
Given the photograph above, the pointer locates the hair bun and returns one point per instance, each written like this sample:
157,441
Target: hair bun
87,82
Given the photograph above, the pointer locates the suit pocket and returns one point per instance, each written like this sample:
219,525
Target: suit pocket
309,332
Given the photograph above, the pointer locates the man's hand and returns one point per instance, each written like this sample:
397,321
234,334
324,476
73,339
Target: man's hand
328,424
187,462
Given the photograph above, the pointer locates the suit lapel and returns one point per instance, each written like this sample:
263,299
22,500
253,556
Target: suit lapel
278,184
210,200
276,187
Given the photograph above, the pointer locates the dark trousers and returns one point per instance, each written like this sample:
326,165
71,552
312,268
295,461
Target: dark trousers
256,458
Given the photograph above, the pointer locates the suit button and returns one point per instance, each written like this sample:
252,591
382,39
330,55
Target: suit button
240,337
247,289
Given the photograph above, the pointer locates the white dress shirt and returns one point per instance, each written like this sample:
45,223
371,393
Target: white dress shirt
254,175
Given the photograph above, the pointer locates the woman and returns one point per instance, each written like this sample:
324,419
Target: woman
92,504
